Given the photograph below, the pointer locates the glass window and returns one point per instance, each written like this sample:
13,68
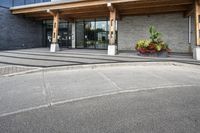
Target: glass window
92,34
26,2
101,34
64,35
90,28
18,2
80,35
6,3
29,2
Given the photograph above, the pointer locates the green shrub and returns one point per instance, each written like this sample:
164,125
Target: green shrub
154,34
152,45
143,43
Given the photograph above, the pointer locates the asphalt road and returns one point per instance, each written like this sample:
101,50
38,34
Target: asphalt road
129,99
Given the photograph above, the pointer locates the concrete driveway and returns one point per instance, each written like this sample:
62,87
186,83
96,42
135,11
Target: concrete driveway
150,97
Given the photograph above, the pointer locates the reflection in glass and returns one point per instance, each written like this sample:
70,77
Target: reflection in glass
64,35
80,35
101,34
92,34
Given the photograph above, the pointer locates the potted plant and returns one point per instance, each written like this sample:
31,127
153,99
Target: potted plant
154,46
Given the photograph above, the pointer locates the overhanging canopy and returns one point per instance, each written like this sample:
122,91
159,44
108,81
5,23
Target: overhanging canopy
98,8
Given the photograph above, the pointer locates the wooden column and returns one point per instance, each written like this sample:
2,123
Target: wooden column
112,32
55,28
196,50
112,47
197,22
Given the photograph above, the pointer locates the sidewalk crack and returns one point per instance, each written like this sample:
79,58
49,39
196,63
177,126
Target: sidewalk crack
46,90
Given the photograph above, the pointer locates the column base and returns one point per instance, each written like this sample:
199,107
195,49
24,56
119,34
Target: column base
112,49
196,53
54,47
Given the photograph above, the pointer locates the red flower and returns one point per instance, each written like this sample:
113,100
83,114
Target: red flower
152,46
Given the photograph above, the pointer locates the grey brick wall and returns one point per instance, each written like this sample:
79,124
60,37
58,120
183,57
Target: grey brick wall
18,32
174,28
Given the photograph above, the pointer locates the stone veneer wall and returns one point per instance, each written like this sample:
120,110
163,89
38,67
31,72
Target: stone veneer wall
18,32
174,28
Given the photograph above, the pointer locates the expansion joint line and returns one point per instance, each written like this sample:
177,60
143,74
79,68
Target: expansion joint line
109,80
46,90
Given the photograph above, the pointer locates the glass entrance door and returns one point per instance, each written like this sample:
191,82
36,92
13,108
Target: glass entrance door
64,35
102,34
92,34
48,37
64,38
90,38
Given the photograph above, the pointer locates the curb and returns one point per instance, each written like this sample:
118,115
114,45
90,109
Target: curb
107,65
98,66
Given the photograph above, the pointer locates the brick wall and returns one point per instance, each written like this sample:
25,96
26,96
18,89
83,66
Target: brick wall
174,28
18,32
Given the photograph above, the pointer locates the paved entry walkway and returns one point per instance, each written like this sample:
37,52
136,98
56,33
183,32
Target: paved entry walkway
41,57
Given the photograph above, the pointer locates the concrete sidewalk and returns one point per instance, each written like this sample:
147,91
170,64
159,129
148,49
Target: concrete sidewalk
59,101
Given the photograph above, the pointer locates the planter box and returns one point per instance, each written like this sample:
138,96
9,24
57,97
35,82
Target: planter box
163,54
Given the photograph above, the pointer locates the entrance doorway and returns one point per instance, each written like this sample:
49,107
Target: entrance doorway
64,35
92,34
